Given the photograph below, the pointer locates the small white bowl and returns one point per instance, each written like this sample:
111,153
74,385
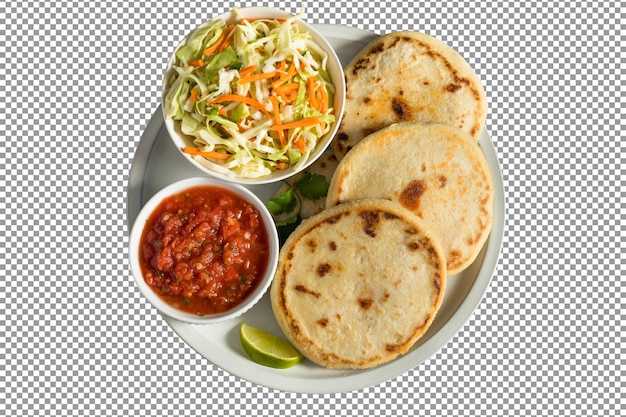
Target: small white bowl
176,188
335,71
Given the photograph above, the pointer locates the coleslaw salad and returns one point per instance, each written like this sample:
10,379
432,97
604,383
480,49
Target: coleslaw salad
255,95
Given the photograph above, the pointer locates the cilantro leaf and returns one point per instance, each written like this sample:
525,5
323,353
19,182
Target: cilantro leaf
312,186
282,203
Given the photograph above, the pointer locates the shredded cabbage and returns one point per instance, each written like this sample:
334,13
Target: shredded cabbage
255,95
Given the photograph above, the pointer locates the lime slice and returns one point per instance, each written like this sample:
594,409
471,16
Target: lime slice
267,349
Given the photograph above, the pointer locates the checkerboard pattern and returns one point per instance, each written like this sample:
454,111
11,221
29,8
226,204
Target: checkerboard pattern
78,85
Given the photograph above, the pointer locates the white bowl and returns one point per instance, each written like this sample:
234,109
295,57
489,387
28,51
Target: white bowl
159,303
335,71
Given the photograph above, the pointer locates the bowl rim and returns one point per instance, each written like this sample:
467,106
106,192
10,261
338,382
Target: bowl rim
175,188
335,70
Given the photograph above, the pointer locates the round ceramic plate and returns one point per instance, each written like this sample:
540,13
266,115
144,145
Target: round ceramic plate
157,164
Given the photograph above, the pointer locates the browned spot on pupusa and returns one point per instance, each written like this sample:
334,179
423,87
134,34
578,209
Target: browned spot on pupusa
414,246
342,137
442,181
412,193
391,348
369,131
377,49
312,244
437,284
390,216
454,258
370,222
305,290
324,269
359,65
401,109
365,303
364,62
333,245
340,143
336,218
323,322
459,81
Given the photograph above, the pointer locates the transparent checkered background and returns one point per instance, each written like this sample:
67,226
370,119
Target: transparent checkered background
78,85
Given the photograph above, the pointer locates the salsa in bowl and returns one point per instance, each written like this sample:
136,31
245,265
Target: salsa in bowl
253,96
203,250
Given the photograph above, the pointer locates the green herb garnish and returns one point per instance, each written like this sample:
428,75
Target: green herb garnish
309,186
282,203
312,186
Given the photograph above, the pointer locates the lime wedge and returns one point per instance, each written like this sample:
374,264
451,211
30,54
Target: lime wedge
267,349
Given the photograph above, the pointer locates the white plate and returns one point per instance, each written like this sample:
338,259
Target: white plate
157,163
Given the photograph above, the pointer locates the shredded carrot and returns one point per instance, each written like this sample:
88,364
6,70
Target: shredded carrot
292,96
323,102
222,112
227,40
218,43
285,76
276,109
257,77
281,165
208,51
242,99
215,155
299,143
247,70
307,121
288,92
224,45
196,63
310,85
287,87
194,95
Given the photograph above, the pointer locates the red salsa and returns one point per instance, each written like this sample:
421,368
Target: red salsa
204,250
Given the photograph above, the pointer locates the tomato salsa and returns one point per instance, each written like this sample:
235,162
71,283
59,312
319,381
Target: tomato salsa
204,250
